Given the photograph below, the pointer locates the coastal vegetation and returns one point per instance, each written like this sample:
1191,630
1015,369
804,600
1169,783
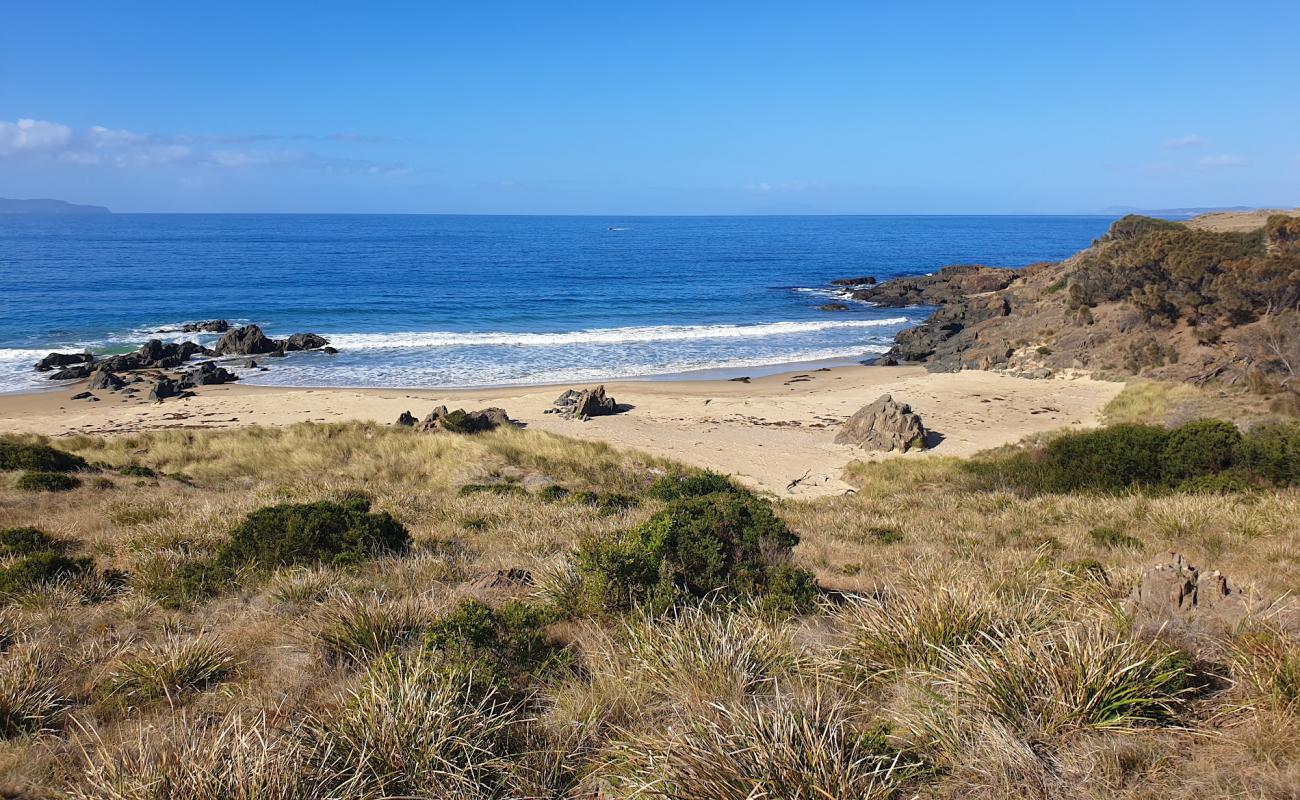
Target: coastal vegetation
354,610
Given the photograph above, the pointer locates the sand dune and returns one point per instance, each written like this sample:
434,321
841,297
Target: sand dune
768,432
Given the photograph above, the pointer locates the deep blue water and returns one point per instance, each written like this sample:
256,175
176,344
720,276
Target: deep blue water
465,300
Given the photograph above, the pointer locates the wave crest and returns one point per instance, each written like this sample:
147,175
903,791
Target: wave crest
660,333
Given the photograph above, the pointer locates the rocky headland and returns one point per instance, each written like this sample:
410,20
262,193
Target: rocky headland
1186,302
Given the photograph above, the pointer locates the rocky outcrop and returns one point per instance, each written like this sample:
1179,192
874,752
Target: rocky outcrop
462,421
1165,300
251,341
833,307
205,326
246,341
948,285
865,280
1175,589
585,403
153,354
60,360
406,419
304,341
884,425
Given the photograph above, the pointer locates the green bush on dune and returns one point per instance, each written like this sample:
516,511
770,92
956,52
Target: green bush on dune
314,533
15,455
47,482
724,544
1207,455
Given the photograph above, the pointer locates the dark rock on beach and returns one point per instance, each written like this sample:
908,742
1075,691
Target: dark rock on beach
206,374
406,420
83,396
104,379
164,388
73,373
60,360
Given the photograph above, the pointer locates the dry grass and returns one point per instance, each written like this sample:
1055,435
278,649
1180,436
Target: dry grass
980,647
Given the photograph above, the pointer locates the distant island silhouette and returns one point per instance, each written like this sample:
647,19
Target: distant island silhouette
8,206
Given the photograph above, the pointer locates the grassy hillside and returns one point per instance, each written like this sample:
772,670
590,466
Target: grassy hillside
330,611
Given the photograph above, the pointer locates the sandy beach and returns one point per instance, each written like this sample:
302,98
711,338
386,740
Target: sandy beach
769,432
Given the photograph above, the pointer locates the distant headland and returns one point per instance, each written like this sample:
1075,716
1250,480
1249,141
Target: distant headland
8,206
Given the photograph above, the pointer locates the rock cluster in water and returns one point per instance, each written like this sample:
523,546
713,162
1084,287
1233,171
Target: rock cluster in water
168,360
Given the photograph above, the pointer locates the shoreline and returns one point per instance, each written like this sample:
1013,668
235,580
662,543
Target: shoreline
770,431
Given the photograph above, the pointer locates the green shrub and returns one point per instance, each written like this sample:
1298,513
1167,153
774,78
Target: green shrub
1114,539
699,484
1204,447
189,582
723,543
606,505
1233,481
47,482
38,569
310,533
505,643
26,541
1109,459
490,488
553,493
37,457
137,471
885,535
1271,453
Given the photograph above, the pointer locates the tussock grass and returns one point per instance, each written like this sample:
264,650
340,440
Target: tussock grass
702,654
1072,679
171,669
31,700
974,643
787,747
414,729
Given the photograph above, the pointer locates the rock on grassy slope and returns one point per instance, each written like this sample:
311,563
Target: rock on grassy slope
1183,302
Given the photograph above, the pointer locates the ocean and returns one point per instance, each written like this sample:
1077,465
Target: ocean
458,301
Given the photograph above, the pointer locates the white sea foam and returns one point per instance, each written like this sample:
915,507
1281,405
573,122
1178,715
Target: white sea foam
660,333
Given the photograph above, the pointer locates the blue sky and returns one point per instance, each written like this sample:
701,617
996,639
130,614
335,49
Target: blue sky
623,108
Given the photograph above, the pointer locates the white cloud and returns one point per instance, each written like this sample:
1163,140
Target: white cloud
1182,142
1220,161
32,136
100,146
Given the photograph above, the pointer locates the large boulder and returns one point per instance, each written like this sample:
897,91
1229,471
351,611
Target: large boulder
246,341
103,379
884,425
60,360
305,341
586,403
